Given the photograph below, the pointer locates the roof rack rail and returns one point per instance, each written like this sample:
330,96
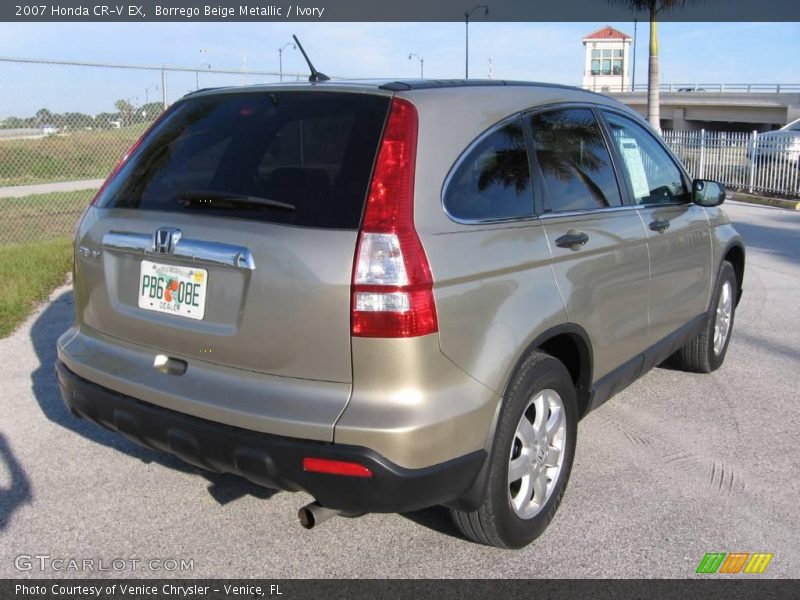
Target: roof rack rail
205,89
426,84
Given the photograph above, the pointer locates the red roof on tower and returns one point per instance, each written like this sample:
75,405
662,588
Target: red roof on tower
607,33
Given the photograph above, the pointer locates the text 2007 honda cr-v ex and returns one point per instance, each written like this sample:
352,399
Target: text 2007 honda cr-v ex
393,295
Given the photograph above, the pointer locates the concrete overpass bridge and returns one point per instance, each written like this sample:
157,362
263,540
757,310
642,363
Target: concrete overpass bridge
721,107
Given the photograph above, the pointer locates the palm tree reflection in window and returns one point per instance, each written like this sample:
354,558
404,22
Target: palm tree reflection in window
507,165
575,162
493,181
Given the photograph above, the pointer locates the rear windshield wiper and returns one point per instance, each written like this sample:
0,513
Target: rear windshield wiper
195,197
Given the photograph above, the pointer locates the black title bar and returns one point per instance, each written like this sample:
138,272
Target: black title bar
300,589
386,11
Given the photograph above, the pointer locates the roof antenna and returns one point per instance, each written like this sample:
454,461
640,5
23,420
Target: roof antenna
315,75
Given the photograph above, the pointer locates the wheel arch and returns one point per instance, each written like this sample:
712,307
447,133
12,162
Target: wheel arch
566,342
570,344
735,254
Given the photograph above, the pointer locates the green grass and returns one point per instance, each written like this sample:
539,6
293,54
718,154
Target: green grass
41,216
28,273
65,157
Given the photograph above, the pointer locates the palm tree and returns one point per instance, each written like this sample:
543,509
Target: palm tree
43,117
653,8
125,109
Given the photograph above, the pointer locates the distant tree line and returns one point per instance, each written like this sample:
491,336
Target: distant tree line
126,114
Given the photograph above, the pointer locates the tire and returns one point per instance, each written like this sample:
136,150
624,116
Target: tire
705,352
540,387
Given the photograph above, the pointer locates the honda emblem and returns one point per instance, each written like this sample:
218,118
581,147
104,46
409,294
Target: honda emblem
165,240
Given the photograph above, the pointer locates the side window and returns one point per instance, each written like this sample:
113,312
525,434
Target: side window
493,181
574,159
652,175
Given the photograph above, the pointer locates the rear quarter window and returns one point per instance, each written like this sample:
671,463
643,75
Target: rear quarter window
311,150
493,180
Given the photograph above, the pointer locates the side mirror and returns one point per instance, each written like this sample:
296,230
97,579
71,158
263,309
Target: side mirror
708,193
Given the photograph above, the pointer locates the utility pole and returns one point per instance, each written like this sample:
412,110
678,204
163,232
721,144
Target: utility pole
164,88
421,64
280,57
147,92
467,15
197,75
633,71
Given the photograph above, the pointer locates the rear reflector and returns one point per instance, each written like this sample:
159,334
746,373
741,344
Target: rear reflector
335,467
392,283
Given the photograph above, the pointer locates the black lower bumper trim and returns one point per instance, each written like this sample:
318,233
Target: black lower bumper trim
269,460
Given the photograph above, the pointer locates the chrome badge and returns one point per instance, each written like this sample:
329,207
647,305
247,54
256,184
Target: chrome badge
165,240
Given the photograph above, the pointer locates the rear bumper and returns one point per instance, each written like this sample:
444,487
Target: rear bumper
271,460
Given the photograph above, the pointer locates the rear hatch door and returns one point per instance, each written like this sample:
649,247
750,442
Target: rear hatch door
228,235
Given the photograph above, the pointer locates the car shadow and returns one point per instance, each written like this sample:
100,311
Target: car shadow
18,491
436,518
50,324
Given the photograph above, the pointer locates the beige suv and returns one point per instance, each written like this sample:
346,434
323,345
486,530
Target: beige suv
393,295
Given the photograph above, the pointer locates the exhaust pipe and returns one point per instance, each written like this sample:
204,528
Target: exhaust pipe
315,514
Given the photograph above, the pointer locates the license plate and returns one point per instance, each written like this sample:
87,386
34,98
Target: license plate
173,289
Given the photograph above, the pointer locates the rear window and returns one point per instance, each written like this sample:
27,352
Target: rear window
300,158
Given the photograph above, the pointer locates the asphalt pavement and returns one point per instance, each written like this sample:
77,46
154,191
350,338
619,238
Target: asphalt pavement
675,466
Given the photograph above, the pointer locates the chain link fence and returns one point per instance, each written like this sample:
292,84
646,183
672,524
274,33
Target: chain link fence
64,125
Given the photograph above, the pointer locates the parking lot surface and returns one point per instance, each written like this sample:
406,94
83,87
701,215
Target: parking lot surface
675,466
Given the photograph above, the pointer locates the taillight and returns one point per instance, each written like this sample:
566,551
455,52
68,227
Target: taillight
392,284
126,156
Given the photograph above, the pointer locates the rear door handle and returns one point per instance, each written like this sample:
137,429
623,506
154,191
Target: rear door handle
572,239
659,225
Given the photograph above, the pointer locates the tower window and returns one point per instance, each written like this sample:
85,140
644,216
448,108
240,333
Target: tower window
607,62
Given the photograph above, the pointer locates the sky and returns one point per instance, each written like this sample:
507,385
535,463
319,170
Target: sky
552,52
